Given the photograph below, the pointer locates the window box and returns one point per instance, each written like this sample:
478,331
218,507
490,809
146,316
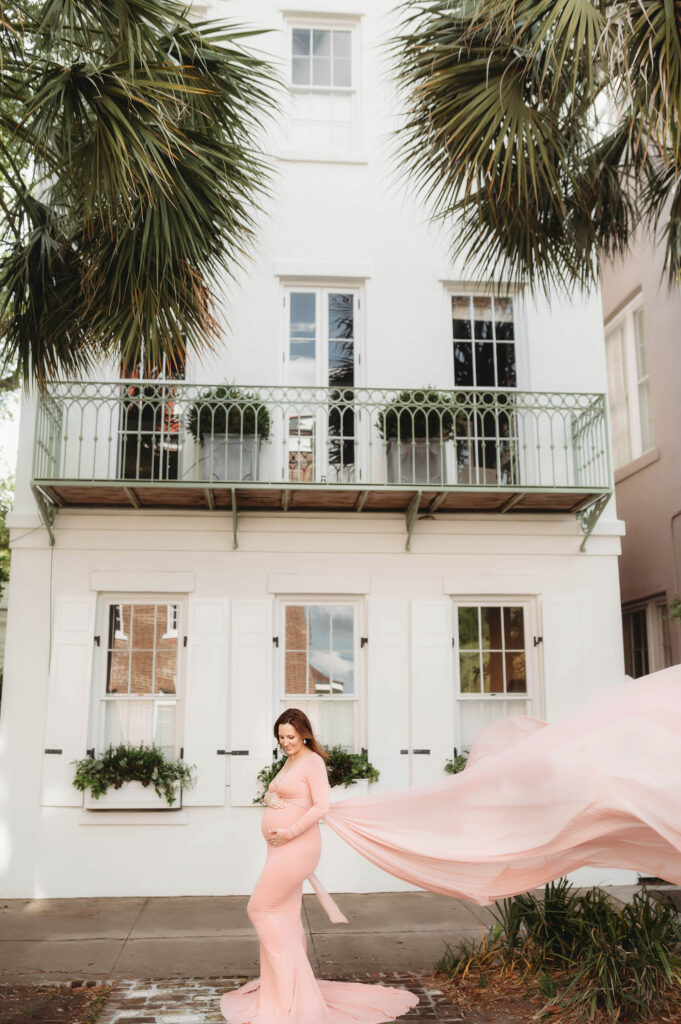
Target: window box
132,796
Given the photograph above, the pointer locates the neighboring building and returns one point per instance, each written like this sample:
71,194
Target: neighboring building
643,333
294,538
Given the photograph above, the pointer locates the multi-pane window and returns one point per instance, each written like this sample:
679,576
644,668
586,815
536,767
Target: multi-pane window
628,387
484,347
483,334
323,90
319,667
321,352
647,639
140,692
491,646
149,425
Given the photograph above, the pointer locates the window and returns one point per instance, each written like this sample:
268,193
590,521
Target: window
323,89
137,681
319,667
149,426
321,352
484,349
647,639
628,386
493,676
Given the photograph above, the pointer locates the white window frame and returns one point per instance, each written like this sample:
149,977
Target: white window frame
99,696
533,699
358,698
654,607
625,320
329,23
472,289
362,429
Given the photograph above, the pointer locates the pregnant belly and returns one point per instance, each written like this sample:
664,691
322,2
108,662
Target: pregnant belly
280,817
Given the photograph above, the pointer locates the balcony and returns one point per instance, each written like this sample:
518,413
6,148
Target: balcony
167,444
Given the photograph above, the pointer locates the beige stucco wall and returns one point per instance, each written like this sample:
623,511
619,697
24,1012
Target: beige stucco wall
649,489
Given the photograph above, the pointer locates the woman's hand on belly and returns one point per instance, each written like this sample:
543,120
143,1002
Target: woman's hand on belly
272,799
277,837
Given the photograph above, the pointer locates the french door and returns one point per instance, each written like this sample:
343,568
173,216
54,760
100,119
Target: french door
321,360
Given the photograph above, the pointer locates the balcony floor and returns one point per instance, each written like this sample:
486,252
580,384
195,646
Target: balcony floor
313,497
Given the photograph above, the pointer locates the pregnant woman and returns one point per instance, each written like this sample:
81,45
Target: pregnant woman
287,991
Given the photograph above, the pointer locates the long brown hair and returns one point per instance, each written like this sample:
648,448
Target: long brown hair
301,723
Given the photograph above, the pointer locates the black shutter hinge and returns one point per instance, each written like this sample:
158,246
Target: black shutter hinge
98,640
53,750
365,753
184,641
275,641
181,753
90,752
538,640
364,641
232,753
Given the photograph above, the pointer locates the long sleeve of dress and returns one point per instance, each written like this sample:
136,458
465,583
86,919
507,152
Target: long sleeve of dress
318,781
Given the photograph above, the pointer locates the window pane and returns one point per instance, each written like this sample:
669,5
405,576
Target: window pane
614,347
141,675
639,339
516,674
300,71
493,672
321,71
469,670
463,364
461,316
321,42
506,366
296,673
301,448
166,627
319,619
644,413
296,628
484,365
341,364
303,345
117,675
469,636
514,630
165,675
341,43
342,74
482,307
301,41
343,626
503,309
303,315
333,721
491,628
341,316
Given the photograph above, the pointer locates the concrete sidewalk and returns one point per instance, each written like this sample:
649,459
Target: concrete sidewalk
211,936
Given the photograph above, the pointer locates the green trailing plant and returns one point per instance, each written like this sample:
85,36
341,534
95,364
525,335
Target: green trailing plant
457,764
342,769
674,608
584,952
127,763
228,409
418,413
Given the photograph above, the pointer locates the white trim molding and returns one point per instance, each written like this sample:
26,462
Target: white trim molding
160,581
307,583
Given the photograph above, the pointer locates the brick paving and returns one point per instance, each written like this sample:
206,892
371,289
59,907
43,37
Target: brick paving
196,1000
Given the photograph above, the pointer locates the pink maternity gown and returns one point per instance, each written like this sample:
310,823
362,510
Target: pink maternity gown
287,991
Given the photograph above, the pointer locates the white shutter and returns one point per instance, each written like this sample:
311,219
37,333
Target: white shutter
563,662
432,693
68,699
251,702
205,700
388,691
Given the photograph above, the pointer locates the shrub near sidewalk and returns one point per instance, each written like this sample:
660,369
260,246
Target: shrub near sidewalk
587,956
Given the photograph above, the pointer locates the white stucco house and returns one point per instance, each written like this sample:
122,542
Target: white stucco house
189,560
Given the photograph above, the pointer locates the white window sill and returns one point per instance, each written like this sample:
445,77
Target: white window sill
647,459
323,158
112,817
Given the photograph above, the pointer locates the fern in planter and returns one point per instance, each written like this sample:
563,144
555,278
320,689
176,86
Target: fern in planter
342,768
228,409
127,763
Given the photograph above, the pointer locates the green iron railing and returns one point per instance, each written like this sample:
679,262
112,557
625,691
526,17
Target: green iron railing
164,432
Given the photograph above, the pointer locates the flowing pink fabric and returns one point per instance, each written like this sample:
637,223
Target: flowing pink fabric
538,800
287,991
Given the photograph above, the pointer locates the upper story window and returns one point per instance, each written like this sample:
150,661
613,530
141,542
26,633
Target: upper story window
483,334
324,117
647,639
628,386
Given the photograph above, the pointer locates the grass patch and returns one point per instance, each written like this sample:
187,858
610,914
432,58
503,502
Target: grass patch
586,956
